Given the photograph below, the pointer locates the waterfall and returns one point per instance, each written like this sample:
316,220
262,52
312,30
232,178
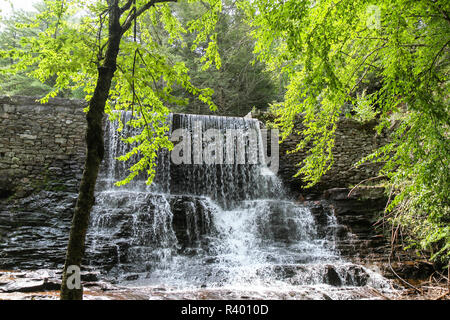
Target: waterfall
215,216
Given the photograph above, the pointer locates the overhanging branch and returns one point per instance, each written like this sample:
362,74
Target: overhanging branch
127,24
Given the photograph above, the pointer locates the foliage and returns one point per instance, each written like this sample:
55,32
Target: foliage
328,49
364,110
72,46
241,82
18,83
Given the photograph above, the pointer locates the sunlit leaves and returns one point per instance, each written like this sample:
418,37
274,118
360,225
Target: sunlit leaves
72,46
328,50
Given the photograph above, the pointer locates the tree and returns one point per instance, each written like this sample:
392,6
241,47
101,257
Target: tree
241,82
18,83
328,49
99,52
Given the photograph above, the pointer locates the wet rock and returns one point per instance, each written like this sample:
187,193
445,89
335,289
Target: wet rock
336,194
356,276
210,260
100,285
34,231
280,222
6,190
132,277
326,297
357,238
22,286
342,232
90,276
286,271
331,277
31,285
322,213
191,220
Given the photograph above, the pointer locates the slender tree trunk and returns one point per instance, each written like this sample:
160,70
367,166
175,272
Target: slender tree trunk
94,140
94,157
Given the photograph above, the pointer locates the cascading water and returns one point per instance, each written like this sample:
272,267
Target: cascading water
219,219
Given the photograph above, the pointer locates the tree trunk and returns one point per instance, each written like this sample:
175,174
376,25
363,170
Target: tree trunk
94,157
94,140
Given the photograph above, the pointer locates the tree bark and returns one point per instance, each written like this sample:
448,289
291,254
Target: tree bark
94,157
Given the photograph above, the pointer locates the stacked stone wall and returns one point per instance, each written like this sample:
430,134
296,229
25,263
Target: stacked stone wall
40,143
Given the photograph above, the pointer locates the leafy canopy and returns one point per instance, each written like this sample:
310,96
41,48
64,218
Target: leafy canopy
10,37
72,47
329,49
241,82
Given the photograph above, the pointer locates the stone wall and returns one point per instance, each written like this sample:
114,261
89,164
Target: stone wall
353,142
40,144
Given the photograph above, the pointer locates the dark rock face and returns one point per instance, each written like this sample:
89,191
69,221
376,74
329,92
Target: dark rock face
324,217
357,238
34,230
360,241
356,276
332,277
191,220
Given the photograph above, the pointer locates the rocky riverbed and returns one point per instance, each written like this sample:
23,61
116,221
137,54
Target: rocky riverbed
44,285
